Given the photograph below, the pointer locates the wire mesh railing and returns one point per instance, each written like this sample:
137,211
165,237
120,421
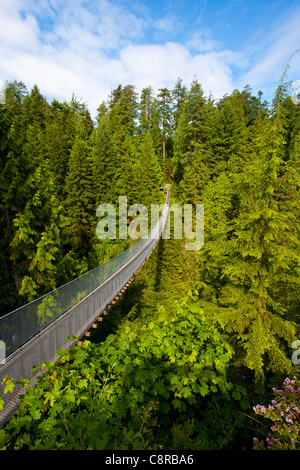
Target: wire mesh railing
18,326
32,334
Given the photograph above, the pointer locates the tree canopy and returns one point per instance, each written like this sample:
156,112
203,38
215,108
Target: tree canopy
200,336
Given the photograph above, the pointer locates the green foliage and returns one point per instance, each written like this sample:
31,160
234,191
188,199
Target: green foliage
37,141
161,380
166,118
103,162
255,249
228,135
183,437
79,198
74,406
123,387
192,145
163,362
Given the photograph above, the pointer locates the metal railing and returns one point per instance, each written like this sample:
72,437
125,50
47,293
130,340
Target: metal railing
33,333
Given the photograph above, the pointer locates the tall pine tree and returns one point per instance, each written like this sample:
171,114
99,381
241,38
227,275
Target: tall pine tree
255,249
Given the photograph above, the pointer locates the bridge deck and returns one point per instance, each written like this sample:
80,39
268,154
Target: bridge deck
41,346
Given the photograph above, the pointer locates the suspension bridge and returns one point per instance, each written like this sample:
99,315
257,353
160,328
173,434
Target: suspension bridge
32,334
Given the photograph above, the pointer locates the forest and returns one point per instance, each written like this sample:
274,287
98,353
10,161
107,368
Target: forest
198,353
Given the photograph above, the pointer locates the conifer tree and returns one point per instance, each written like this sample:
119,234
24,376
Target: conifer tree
35,108
179,94
254,249
60,134
166,118
294,146
145,107
123,109
150,172
102,111
192,145
37,242
103,162
149,118
79,198
229,133
122,114
15,169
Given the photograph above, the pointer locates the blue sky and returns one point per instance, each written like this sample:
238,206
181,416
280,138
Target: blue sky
89,47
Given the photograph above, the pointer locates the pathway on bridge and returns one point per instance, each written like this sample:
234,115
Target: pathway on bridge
33,333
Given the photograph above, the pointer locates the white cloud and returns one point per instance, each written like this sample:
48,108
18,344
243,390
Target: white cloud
202,42
109,25
161,65
154,65
66,49
169,24
16,32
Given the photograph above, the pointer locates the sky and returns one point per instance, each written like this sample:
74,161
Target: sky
89,47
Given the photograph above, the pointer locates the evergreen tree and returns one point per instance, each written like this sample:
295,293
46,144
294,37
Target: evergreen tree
255,249
229,132
79,199
192,145
145,107
15,168
181,145
37,241
60,135
149,118
103,162
166,118
122,114
179,94
123,110
294,145
102,112
150,174
35,108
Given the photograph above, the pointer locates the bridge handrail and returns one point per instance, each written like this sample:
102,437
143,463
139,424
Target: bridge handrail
77,320
22,324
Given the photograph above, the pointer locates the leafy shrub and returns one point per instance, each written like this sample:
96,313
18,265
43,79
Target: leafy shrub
117,395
